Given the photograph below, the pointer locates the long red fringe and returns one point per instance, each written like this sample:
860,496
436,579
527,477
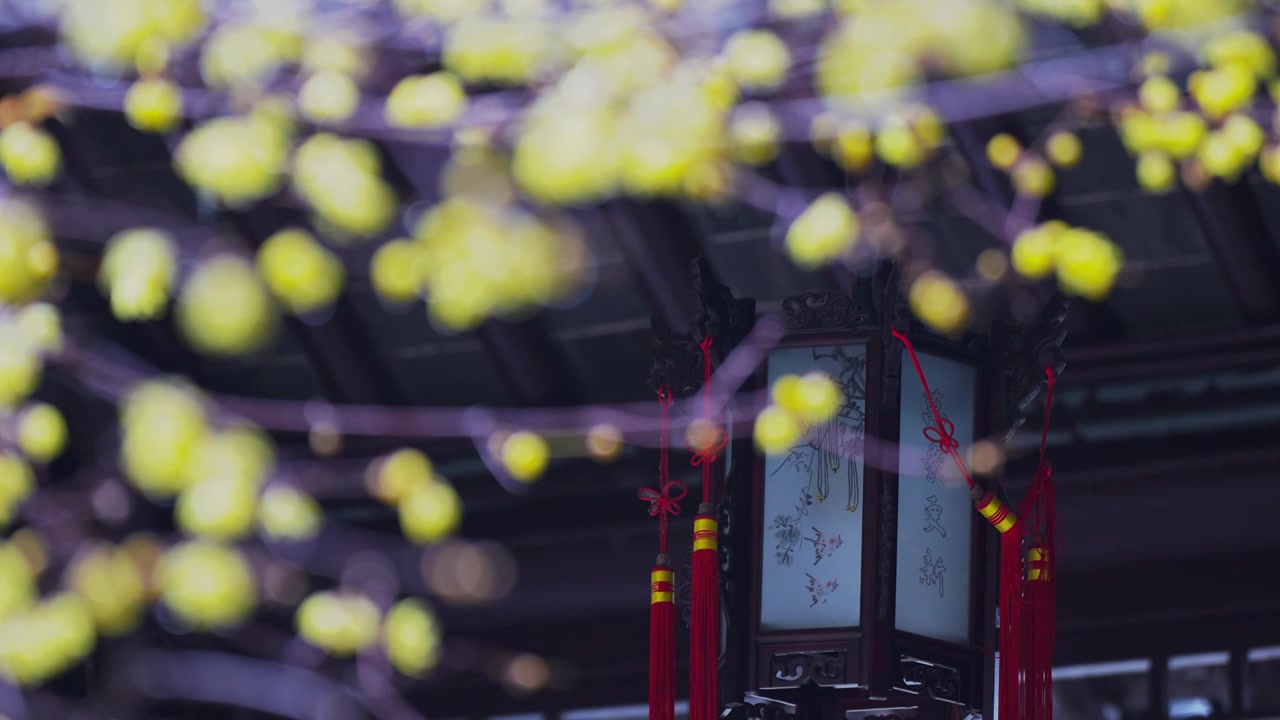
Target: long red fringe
1011,662
1039,614
704,620
1028,632
662,647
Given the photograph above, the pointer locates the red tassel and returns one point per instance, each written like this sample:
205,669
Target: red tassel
1001,517
662,648
1038,624
1039,619
663,502
1028,606
704,621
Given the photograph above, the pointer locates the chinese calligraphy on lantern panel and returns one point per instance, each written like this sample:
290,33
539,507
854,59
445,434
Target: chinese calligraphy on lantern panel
812,565
935,515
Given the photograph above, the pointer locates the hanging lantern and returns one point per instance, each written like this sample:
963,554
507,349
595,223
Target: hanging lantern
858,572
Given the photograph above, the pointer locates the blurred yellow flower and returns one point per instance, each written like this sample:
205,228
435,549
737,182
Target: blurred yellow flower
302,274
940,303
207,586
41,324
411,637
237,159
42,432
429,511
137,271
111,586
29,154
218,507
525,455
328,97
224,308
163,425
757,60
286,513
776,430
20,365
825,231
341,624
153,105
1088,263
754,134
425,101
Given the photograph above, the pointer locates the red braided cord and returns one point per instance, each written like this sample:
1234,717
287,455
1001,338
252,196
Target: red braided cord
708,453
664,465
1048,408
945,437
664,500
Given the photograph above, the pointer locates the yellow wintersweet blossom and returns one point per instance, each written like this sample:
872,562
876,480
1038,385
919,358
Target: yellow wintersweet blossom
501,50
29,154
813,397
42,432
757,60
287,513
163,425
425,101
207,586
391,477
218,507
237,159
1088,263
411,637
668,132
341,180
525,455
224,308
940,303
825,231
300,272
41,642
28,258
754,133
137,273
20,364
328,97
1035,250
482,260
393,270
430,511
883,46
567,151
776,430
153,105
341,624
111,586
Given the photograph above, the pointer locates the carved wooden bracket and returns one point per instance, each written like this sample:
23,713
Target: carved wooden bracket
937,681
822,668
677,359
1033,345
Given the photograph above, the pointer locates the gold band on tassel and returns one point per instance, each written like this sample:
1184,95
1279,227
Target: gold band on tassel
996,512
661,586
1037,563
705,534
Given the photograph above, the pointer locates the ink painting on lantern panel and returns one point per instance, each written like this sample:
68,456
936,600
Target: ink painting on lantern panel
935,514
811,562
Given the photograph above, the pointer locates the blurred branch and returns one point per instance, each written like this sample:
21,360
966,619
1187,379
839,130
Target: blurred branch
227,679
110,371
